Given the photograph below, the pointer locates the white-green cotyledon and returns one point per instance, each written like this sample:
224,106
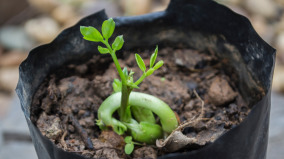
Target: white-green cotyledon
161,109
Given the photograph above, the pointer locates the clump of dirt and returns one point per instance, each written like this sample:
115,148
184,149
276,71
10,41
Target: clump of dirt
65,106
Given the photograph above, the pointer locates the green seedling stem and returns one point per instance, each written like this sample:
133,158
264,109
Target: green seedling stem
125,90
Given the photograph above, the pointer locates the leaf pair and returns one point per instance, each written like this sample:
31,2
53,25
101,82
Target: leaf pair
92,34
116,45
129,147
142,66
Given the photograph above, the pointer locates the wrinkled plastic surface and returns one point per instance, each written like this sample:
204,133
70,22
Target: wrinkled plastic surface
197,24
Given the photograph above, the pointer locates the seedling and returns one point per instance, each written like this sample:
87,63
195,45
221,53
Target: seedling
136,110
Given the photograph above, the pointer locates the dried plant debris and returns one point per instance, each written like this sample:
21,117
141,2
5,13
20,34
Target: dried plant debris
177,140
80,93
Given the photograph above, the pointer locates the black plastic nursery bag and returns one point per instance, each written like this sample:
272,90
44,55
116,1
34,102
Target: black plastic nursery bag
197,24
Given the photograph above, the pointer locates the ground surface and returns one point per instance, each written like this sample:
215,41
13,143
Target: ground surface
18,144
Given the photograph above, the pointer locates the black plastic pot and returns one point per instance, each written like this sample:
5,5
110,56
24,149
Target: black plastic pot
197,24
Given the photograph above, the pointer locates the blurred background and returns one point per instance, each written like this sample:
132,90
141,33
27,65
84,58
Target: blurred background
25,24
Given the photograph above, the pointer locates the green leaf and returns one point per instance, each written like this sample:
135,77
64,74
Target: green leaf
108,28
103,50
128,139
140,62
153,57
125,72
159,64
91,34
118,43
150,71
129,148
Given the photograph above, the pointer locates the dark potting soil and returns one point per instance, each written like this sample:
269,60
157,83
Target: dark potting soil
65,106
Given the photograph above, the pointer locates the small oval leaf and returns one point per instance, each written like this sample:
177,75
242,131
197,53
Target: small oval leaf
128,139
153,57
140,62
129,148
91,34
118,43
108,28
159,64
103,50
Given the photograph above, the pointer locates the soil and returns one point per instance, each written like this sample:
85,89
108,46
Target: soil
65,106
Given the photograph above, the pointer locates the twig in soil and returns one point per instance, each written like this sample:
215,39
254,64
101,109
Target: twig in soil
82,132
62,141
195,118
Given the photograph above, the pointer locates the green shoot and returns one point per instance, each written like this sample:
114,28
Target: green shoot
136,110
